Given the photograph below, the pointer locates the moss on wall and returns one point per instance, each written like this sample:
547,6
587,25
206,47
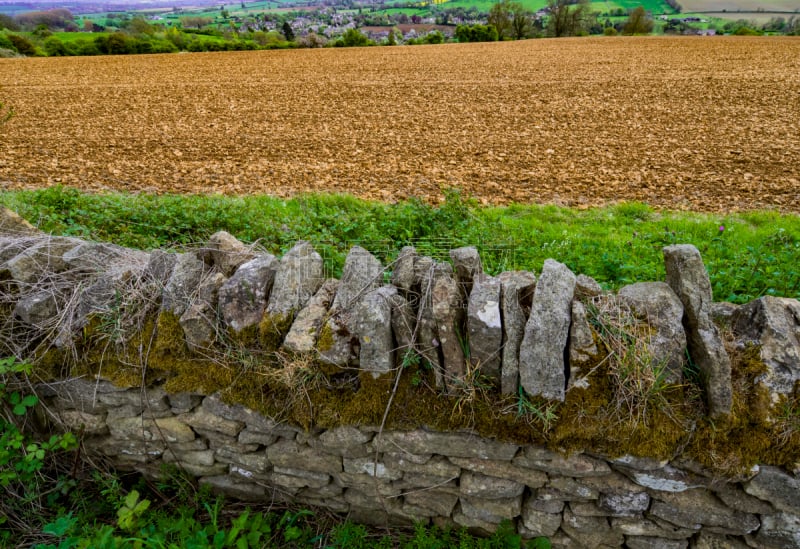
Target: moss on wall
296,389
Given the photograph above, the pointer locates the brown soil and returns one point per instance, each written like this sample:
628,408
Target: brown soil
708,124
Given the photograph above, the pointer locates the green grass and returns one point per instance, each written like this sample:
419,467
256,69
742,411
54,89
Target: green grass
67,37
747,255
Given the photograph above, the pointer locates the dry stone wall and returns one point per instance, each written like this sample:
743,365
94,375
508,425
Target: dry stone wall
449,479
537,337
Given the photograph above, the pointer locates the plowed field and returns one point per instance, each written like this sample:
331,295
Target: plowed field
709,124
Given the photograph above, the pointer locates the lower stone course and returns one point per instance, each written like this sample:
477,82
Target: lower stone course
456,479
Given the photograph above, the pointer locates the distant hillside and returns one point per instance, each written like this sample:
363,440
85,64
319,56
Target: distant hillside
740,5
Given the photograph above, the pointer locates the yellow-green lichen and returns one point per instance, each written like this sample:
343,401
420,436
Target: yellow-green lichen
273,328
325,339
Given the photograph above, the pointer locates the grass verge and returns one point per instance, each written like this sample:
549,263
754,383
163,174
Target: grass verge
747,254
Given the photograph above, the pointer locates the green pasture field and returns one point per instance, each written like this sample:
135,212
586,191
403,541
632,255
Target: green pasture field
747,254
68,37
741,5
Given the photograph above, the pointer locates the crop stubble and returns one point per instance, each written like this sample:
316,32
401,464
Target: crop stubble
710,124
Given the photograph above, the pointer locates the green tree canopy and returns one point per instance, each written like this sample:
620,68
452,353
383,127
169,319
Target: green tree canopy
638,22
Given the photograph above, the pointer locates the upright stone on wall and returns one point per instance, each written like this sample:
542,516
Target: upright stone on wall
467,267
181,288
687,277
542,353
303,334
448,314
403,269
772,323
243,297
361,274
372,321
515,300
199,322
485,327
656,305
298,277
226,253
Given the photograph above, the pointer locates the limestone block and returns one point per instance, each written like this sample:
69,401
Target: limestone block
587,287
343,439
687,277
190,457
541,360
362,273
590,531
225,252
448,316
582,347
37,309
11,223
256,462
651,528
655,304
574,465
736,498
491,510
467,267
485,327
706,540
422,442
572,489
515,300
298,277
168,429
298,478
101,257
438,466
84,423
251,436
213,404
160,265
243,297
482,486
287,453
624,504
368,466
643,542
181,288
199,322
779,530
502,469
538,523
203,419
40,257
372,321
305,329
667,479
151,398
773,323
777,487
700,507
184,402
403,269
